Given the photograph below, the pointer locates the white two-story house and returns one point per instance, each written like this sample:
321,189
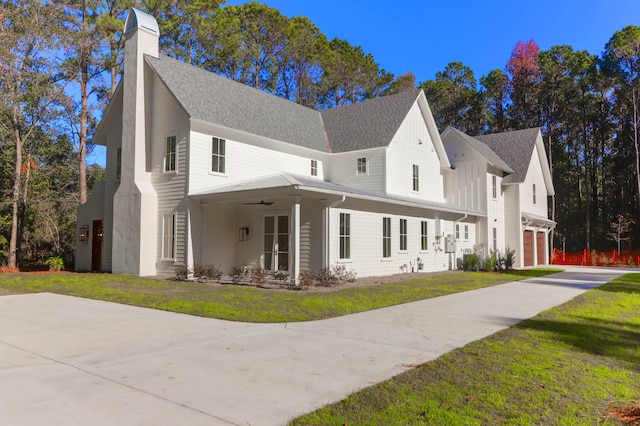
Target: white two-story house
205,170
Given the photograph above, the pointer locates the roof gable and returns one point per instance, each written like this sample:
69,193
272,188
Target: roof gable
215,99
481,148
515,148
370,124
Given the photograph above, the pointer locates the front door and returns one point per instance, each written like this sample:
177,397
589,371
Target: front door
276,243
96,246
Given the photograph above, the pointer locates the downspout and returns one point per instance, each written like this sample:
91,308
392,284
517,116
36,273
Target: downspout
328,229
454,230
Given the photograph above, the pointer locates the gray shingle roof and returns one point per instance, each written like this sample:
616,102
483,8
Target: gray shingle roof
369,124
515,148
210,97
484,150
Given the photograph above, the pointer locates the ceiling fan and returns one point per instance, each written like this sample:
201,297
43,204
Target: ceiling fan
260,203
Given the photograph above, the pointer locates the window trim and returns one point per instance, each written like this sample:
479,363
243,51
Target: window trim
457,232
314,167
466,232
403,235
170,154
221,158
424,235
494,186
345,236
362,166
386,237
416,178
495,238
534,194
169,236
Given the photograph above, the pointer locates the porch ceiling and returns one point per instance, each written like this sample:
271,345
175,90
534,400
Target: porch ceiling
290,185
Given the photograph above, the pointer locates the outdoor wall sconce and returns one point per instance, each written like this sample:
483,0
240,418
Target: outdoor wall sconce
243,234
84,233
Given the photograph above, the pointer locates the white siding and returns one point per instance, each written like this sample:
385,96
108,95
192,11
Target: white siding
244,161
366,244
411,145
113,142
167,118
342,170
512,226
534,176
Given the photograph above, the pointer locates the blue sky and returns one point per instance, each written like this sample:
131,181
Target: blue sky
423,36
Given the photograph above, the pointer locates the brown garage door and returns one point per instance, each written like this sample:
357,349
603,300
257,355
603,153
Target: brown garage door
540,247
528,248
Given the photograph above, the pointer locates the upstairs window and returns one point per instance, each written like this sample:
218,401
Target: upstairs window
170,154
416,178
362,166
314,168
403,234
457,231
386,237
495,238
424,236
466,232
494,186
534,193
118,163
218,155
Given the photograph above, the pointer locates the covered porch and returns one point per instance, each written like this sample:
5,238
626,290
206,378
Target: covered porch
535,239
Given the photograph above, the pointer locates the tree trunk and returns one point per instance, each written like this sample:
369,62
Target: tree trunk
84,111
635,142
15,201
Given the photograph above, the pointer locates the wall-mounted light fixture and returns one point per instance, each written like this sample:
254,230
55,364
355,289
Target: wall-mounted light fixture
84,233
243,234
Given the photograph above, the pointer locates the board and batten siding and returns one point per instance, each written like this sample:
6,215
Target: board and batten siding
169,119
244,161
343,169
114,142
495,211
534,176
411,145
366,244
466,185
512,221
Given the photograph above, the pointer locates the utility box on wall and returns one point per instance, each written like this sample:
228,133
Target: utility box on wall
449,244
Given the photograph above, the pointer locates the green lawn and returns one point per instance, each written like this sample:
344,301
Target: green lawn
238,303
564,367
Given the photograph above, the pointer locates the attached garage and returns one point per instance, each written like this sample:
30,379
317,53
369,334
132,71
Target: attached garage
528,248
540,248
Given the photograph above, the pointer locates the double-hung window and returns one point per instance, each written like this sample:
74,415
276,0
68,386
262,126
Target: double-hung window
169,236
424,235
494,186
218,155
170,154
361,166
314,167
386,237
457,232
466,232
534,193
416,178
403,234
345,236
495,238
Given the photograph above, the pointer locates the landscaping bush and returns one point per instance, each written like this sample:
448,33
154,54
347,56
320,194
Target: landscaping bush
470,262
55,263
509,258
258,275
181,272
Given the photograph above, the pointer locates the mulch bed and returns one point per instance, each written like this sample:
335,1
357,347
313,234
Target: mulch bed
627,414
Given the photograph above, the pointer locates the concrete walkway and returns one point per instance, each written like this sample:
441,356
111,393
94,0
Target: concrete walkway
71,361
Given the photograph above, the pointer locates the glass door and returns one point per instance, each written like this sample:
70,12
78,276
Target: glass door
276,243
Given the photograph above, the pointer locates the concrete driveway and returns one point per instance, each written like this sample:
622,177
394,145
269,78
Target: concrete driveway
71,361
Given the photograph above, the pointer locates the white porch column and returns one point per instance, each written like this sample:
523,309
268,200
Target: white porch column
295,239
535,246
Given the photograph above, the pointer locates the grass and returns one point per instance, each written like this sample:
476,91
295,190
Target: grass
239,303
565,366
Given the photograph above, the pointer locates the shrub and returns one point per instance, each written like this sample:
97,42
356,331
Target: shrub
509,258
209,272
470,262
326,278
306,278
55,263
341,273
237,272
181,272
490,263
258,275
